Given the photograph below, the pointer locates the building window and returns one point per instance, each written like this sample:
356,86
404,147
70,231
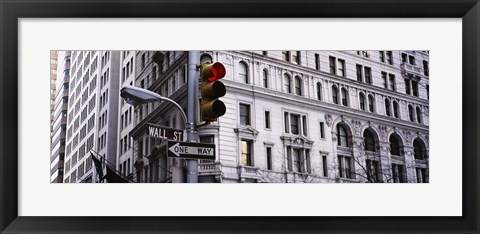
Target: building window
333,66
387,107
415,88
242,73
428,91
362,101
389,57
304,125
395,109
265,78
154,73
411,60
286,55
319,91
143,60
418,149
298,86
394,146
335,94
345,166
382,56
247,159
407,86
294,124
410,113
368,75
373,174
324,166
404,58
391,79
359,73
322,130
297,162
344,97
244,114
206,58
369,141
422,175
342,137
269,158
289,158
287,122
425,68
371,103
341,67
297,58
384,79
264,53
397,173
317,61
267,119
419,115
287,83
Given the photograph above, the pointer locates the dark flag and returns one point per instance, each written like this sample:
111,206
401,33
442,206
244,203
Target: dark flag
98,166
113,177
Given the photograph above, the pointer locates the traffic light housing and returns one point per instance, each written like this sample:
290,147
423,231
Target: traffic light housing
212,89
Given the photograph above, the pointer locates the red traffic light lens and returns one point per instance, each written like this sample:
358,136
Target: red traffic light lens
218,72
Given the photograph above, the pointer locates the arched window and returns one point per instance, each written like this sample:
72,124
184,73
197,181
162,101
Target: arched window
242,73
206,58
387,107
319,91
335,94
410,112
342,137
344,97
371,103
419,115
394,146
287,83
298,86
395,109
418,149
362,101
369,141
265,78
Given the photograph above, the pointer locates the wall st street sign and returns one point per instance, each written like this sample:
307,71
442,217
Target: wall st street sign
191,150
166,133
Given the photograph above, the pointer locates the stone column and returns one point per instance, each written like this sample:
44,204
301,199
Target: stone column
358,158
385,162
410,164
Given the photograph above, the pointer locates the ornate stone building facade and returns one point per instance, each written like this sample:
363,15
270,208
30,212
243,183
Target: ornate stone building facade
296,116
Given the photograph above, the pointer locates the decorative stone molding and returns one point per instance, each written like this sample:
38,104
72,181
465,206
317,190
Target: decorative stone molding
408,137
297,141
357,125
246,131
328,119
383,132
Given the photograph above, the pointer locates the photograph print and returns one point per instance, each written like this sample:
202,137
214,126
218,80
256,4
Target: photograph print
239,116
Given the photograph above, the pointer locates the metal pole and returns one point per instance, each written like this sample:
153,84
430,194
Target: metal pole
192,111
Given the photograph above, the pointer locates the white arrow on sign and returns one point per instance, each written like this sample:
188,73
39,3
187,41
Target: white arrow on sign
178,149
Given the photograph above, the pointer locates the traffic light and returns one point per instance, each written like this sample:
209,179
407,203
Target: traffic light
212,89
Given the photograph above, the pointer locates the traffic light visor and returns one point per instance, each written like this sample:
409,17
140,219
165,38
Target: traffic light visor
217,71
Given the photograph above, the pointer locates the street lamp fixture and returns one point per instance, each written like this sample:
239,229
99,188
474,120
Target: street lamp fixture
138,96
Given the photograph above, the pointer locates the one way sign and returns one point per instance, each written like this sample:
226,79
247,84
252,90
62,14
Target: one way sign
192,150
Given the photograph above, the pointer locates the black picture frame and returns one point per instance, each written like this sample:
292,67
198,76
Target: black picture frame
11,11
